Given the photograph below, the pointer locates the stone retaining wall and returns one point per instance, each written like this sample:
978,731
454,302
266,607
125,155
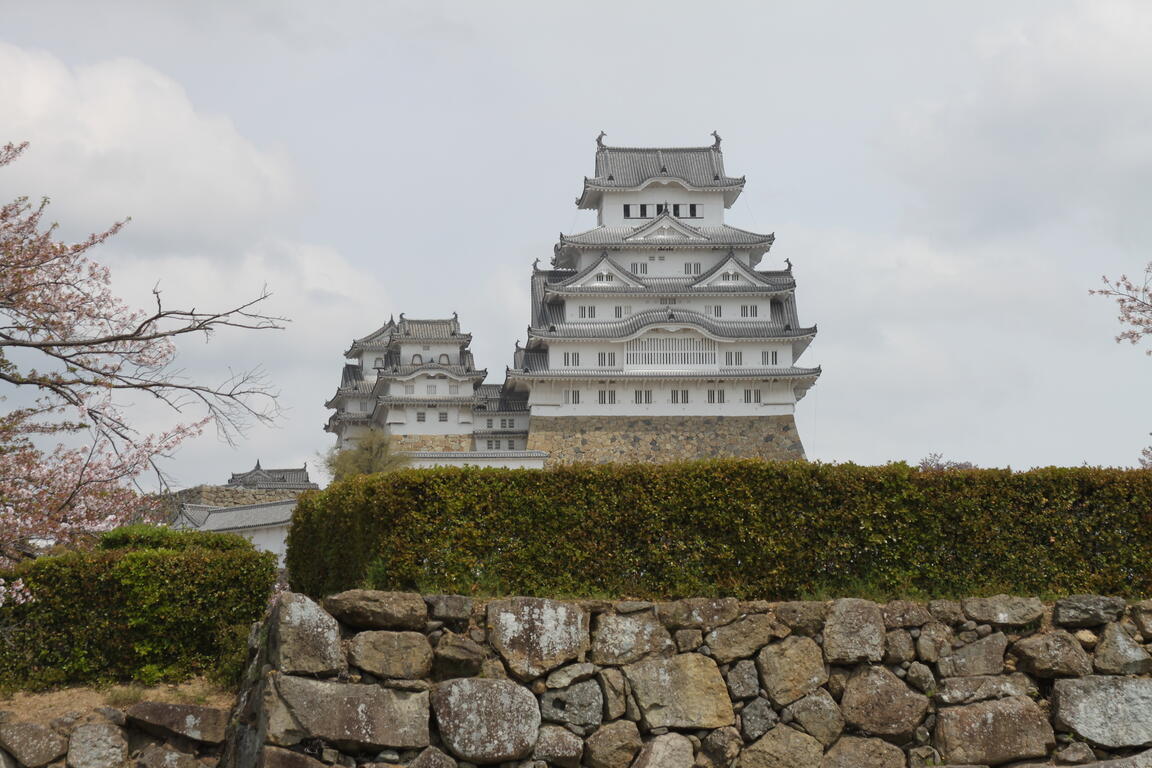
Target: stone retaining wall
433,442
601,439
441,681
147,734
222,496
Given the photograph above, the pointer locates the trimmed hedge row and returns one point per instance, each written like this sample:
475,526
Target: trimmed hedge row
147,604
733,527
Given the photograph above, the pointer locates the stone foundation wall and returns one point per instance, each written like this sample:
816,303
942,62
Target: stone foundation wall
433,442
148,734
445,681
601,439
222,496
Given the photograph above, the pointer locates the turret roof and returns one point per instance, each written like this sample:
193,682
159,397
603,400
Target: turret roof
619,168
667,231
435,329
671,315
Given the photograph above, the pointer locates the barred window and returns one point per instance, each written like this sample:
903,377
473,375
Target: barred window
667,350
643,397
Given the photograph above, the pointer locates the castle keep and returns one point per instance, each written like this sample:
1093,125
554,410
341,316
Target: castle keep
653,337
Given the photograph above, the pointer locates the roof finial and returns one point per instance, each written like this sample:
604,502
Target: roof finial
455,316
391,319
257,463
600,140
535,264
789,263
717,137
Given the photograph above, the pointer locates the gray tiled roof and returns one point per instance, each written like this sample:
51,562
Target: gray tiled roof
614,329
288,479
630,167
792,372
436,329
236,518
707,236
562,282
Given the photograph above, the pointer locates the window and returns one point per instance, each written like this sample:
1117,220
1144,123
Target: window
607,396
639,268
430,389
453,389
417,359
713,310
425,347
587,312
769,358
670,350
643,397
571,397
667,301
420,416
676,209
680,397
627,211
605,277
715,396
693,211
363,405
643,211
511,445
622,311
489,425
733,358
444,359
442,416
729,277
409,389
606,359
748,310
491,443
659,209
506,424
571,359
379,363
691,267
751,395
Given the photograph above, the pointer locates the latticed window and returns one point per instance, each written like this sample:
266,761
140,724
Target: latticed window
667,350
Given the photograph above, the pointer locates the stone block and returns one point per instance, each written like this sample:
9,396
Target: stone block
993,732
624,639
684,691
373,609
853,632
535,635
486,721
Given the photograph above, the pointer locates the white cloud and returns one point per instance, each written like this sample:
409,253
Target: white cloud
118,138
1050,128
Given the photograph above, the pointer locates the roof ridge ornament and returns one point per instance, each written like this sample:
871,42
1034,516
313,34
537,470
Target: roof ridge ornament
716,136
789,263
600,140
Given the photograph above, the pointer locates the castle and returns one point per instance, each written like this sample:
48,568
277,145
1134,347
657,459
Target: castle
653,337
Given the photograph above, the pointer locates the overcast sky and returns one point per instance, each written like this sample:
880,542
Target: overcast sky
949,181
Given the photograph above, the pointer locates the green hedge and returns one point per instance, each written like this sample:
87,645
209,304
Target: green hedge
147,604
733,527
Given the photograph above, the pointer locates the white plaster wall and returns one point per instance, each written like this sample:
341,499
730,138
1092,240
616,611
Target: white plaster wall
547,399
498,421
429,352
589,355
459,420
273,538
612,204
630,305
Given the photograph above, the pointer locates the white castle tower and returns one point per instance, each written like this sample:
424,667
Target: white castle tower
654,336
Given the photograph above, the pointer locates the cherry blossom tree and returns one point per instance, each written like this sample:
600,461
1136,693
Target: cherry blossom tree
1134,300
74,356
